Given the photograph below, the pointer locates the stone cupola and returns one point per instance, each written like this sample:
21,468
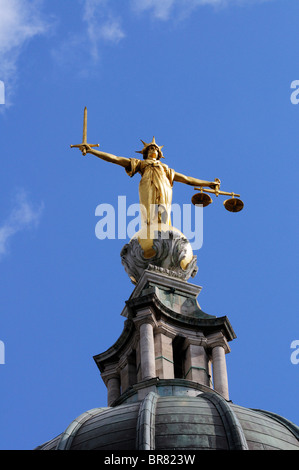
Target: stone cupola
166,336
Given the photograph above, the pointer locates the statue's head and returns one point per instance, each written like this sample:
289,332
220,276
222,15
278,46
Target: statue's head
151,149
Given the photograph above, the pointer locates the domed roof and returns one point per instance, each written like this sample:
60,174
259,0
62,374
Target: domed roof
168,421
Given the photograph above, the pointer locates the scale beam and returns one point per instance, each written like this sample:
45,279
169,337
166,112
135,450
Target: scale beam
214,191
232,205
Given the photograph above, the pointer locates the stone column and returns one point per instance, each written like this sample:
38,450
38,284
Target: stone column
145,322
220,371
219,347
113,389
147,351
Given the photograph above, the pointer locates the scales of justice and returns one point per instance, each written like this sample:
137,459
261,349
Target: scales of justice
158,245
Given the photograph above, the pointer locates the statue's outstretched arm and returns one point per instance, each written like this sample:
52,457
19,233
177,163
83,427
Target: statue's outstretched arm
108,157
194,181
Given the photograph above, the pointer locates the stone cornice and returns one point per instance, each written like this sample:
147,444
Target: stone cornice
207,325
115,350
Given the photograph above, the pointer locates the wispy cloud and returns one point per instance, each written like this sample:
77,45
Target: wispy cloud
24,215
20,21
100,26
160,9
164,9
102,22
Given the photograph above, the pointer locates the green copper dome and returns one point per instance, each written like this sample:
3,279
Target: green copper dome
176,415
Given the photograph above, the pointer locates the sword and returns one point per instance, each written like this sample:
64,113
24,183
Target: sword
84,140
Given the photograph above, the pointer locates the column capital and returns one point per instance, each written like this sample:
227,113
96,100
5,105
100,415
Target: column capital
111,374
145,315
166,330
217,339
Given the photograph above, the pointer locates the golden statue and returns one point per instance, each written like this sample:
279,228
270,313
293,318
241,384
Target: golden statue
157,179
155,189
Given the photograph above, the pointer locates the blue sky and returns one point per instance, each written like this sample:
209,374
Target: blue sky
211,80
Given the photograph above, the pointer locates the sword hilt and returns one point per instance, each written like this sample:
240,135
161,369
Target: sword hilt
84,143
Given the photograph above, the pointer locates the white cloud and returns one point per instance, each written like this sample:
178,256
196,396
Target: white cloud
20,21
111,31
163,9
101,24
23,216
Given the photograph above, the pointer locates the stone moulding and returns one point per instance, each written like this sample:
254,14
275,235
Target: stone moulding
205,322
67,437
234,432
145,438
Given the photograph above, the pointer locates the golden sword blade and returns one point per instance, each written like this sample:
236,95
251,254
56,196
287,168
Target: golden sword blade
85,126
84,140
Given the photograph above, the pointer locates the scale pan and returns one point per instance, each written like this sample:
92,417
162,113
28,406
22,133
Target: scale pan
233,205
201,198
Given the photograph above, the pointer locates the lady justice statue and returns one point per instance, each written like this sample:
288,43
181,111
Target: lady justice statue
157,243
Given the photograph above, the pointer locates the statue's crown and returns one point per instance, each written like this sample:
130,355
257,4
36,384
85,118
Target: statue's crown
145,147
